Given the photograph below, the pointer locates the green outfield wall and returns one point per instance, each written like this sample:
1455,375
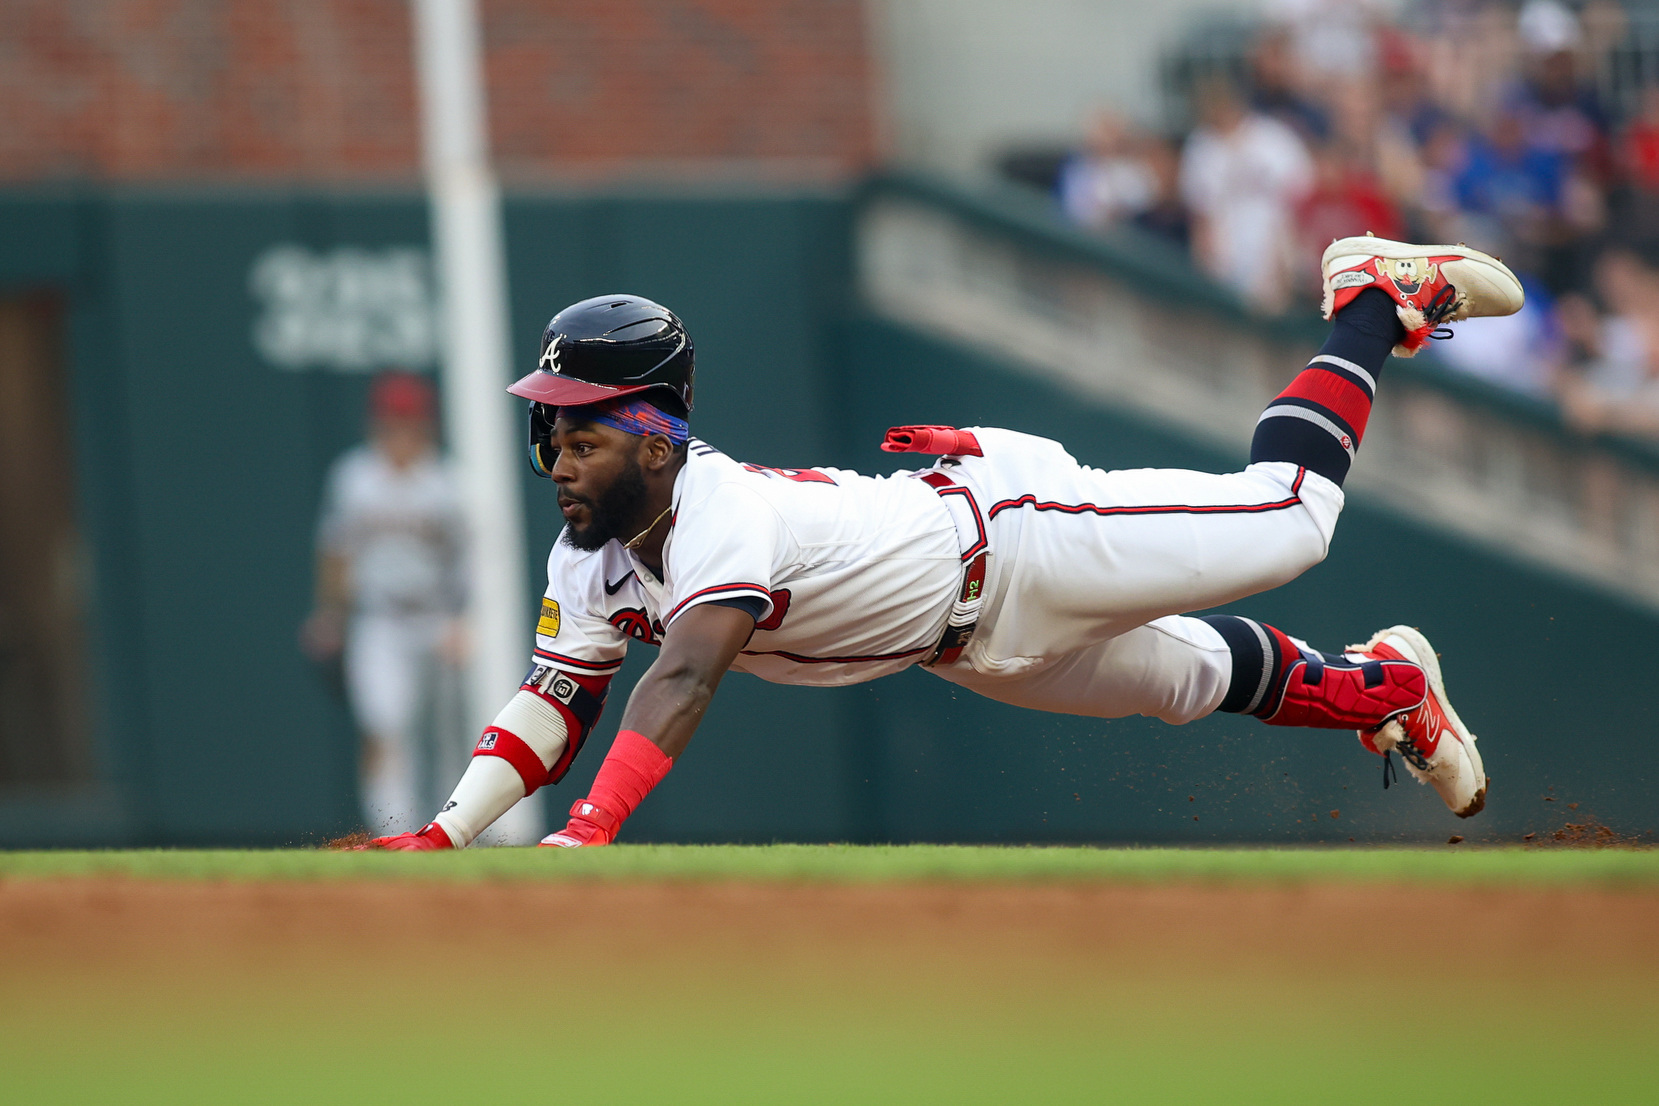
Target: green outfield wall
218,345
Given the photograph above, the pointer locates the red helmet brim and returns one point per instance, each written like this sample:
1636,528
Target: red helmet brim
566,391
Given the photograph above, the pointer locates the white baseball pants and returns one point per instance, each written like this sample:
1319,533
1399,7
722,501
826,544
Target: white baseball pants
1091,570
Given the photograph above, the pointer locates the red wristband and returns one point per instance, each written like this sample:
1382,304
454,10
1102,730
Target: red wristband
632,768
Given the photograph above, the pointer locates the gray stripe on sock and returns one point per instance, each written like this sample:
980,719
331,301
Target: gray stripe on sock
1343,363
1267,666
1287,411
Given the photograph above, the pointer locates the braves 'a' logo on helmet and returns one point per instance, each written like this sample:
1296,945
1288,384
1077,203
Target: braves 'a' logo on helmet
550,356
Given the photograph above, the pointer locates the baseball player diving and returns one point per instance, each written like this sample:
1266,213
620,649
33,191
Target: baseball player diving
1005,566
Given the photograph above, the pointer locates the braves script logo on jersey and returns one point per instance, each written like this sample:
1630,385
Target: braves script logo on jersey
550,358
548,624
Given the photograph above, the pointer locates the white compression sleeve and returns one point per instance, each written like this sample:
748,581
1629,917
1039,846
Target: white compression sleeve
490,785
488,789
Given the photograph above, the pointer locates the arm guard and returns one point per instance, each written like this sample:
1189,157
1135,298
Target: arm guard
543,727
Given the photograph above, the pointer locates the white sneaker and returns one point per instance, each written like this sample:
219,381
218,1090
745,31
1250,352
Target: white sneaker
1437,747
1430,285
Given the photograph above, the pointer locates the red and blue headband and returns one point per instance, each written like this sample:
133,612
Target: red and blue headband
631,416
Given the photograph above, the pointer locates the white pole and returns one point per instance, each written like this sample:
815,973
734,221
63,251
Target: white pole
484,437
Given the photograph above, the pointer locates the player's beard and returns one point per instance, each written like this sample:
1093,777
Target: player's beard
615,514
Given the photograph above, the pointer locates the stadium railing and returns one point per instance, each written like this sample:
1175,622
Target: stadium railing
1124,318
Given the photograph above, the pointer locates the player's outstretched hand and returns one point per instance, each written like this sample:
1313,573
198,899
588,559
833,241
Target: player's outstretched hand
587,826
428,837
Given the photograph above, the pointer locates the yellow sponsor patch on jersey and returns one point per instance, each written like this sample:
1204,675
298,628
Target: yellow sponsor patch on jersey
548,624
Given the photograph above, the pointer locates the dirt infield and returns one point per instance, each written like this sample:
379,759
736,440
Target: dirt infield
1513,933
926,985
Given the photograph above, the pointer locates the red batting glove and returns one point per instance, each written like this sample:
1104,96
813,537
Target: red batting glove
428,837
588,825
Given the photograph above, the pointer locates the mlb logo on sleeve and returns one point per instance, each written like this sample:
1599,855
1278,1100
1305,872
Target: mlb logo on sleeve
548,624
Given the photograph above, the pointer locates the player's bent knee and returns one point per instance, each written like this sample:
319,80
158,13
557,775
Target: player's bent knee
1322,503
1310,551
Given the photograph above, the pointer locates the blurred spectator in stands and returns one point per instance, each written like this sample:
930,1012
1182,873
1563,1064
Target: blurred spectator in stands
1519,352
1435,213
1562,114
1637,159
1638,149
1616,387
1330,40
1124,175
1242,174
1558,108
389,595
1510,192
1345,200
1578,324
1404,96
1471,51
1109,180
1276,86
1167,217
1407,118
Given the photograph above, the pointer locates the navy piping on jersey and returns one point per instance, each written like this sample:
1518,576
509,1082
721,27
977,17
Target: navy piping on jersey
753,589
588,666
1163,509
799,659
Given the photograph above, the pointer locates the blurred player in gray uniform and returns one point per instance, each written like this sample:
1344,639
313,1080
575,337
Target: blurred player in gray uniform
390,593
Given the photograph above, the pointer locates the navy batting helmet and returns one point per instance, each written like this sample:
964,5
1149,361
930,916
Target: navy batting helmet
602,348
613,346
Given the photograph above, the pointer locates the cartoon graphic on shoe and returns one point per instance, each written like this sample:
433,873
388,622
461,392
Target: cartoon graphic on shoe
1430,285
1437,747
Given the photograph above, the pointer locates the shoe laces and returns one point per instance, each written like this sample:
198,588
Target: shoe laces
1443,304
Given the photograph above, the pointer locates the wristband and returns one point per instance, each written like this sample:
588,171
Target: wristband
631,769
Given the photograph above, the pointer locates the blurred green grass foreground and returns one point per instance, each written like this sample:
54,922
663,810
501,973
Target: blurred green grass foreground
830,974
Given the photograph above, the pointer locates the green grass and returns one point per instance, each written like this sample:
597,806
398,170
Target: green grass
713,996
1502,866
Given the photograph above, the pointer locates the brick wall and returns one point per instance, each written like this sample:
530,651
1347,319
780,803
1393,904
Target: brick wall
323,89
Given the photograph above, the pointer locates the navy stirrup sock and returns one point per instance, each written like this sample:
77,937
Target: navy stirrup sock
1258,664
1318,421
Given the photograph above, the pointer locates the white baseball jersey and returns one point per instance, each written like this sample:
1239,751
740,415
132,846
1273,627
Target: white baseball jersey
401,533
853,576
1089,570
